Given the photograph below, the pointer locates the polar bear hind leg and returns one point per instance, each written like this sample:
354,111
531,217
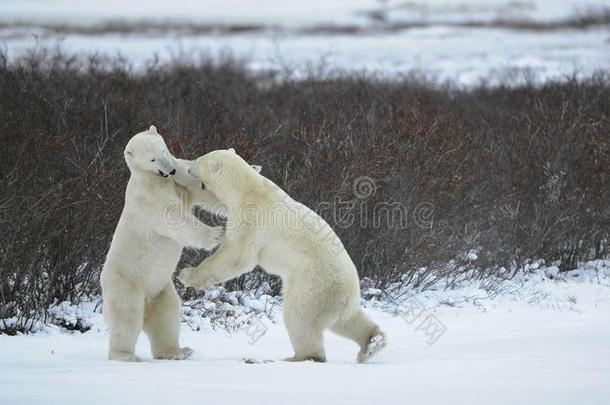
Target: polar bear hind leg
308,344
124,318
364,332
306,335
162,325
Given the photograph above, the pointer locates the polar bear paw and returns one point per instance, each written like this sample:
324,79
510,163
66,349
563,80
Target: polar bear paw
376,342
188,277
196,278
123,356
212,238
180,354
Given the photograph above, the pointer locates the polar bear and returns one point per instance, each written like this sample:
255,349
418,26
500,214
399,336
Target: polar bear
136,279
266,227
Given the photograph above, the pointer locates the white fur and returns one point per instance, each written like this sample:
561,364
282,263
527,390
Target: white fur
136,279
191,188
268,228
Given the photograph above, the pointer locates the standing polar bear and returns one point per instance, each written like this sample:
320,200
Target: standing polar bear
136,280
266,227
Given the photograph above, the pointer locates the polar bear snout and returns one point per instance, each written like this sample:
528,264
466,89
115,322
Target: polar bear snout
165,167
192,171
163,174
196,177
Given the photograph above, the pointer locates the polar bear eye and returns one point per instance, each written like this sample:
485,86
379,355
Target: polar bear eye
152,160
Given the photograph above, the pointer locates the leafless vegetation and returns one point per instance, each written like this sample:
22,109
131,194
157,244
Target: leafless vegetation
514,173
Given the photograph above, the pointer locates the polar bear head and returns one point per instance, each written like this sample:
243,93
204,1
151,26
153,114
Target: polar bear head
147,152
225,173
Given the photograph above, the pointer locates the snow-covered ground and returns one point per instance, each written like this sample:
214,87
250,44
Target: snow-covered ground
541,337
295,36
464,55
292,13
533,355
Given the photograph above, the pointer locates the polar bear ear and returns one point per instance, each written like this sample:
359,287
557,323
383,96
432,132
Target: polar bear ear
257,168
231,150
153,130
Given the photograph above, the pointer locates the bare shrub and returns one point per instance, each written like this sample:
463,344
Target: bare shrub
512,173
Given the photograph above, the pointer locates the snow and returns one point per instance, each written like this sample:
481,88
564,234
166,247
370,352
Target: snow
439,50
501,357
488,10
291,13
464,55
552,272
472,255
531,339
71,316
267,12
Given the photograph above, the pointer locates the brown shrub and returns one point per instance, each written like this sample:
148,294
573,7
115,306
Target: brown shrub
515,173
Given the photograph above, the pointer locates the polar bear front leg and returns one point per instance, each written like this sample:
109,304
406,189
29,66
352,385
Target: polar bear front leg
232,259
124,314
181,225
162,325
